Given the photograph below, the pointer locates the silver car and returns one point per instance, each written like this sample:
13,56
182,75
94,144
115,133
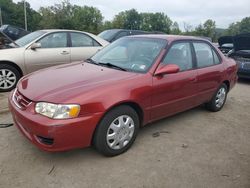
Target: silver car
42,49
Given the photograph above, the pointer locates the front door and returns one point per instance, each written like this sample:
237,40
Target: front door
176,92
54,50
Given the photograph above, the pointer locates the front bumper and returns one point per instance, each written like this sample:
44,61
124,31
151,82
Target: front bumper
54,135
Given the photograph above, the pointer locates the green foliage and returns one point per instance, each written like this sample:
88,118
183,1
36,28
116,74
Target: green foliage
160,22
239,27
207,29
131,19
175,29
67,16
13,14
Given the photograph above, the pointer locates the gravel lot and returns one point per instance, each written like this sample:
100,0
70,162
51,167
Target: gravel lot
196,148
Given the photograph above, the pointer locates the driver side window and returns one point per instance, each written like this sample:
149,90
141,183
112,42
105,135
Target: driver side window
180,54
54,40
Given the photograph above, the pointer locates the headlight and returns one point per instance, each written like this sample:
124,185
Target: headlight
57,111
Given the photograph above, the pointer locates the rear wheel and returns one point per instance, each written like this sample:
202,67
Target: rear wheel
117,131
218,100
9,77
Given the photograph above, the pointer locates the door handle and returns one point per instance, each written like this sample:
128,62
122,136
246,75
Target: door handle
64,52
193,79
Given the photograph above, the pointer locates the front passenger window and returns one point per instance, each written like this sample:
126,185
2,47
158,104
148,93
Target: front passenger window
180,54
54,40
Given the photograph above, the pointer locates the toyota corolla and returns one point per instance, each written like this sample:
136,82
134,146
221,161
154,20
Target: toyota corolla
104,100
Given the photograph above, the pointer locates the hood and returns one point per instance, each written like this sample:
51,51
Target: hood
225,40
62,83
242,42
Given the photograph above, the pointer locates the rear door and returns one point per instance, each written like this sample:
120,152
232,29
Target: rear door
54,51
173,93
209,69
82,46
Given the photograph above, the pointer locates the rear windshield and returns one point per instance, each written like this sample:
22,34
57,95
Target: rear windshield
108,34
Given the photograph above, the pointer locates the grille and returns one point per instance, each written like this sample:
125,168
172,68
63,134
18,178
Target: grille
20,100
246,65
242,60
243,63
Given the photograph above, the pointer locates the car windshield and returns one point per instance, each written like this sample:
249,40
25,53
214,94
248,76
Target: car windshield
131,54
108,34
29,38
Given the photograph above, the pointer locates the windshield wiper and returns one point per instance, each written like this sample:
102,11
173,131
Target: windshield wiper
112,65
91,61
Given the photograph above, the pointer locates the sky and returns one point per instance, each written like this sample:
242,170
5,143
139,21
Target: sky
192,12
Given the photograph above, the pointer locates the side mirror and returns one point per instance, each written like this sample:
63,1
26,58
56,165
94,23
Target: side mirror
34,46
167,69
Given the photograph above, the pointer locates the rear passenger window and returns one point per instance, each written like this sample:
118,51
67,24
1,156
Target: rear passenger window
82,40
180,54
216,58
204,54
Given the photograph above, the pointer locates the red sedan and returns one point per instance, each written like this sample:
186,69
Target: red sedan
130,83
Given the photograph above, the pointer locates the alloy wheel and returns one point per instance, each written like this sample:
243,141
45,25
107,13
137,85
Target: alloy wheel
220,97
7,79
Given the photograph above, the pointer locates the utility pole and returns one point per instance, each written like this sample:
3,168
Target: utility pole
1,18
25,14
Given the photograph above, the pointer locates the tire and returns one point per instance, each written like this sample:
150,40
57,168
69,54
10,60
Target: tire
218,100
112,137
9,77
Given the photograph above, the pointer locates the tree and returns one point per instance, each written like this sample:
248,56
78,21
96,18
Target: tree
13,14
146,21
209,28
175,29
129,19
244,26
187,27
239,27
107,25
87,19
160,22
67,16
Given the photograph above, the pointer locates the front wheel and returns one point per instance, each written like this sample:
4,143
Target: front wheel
117,131
218,100
9,77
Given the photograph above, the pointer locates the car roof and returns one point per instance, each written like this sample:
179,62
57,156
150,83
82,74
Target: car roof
127,30
170,37
57,30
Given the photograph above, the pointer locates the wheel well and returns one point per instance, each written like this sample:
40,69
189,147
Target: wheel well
137,108
14,65
133,105
227,84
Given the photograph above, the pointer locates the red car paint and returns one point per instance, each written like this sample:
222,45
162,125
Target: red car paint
98,89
